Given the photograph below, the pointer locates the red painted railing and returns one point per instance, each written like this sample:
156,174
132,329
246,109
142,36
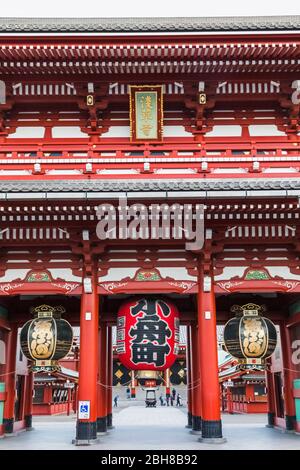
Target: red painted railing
98,159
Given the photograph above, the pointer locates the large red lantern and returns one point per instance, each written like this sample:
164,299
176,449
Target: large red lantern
148,334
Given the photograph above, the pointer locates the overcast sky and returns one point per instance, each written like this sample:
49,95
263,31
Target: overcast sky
127,8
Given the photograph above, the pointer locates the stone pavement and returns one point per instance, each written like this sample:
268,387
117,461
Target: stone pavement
137,427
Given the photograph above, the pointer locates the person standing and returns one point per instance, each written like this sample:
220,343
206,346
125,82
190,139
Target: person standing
173,393
116,400
178,402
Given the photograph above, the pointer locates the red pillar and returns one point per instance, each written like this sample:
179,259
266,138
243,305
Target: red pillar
109,377
28,401
229,400
10,379
210,390
75,398
132,388
86,430
69,402
102,381
250,392
167,382
189,377
196,383
288,377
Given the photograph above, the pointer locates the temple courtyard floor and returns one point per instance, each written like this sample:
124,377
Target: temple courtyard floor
137,427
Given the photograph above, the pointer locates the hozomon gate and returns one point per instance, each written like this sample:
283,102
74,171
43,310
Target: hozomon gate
226,135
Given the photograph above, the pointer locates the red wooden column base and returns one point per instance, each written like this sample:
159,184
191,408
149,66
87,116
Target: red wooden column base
86,428
210,390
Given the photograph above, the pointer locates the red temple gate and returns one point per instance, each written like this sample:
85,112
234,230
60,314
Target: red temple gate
225,136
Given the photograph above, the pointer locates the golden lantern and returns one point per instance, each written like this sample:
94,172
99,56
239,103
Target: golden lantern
47,338
250,337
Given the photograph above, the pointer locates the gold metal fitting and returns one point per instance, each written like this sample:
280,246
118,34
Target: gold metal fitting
202,98
90,100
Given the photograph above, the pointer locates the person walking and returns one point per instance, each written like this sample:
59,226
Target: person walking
128,393
178,402
161,400
172,400
173,393
116,400
168,400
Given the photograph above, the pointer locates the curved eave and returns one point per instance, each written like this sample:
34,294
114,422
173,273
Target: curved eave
147,188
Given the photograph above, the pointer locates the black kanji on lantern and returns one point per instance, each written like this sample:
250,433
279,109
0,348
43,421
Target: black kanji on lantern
150,330
150,333
150,353
149,307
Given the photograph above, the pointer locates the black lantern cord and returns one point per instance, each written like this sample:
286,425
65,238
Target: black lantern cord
112,386
8,373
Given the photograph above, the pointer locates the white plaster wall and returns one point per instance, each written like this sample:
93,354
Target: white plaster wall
2,352
64,273
116,274
281,271
118,131
67,132
264,130
27,132
230,272
175,131
12,274
225,131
